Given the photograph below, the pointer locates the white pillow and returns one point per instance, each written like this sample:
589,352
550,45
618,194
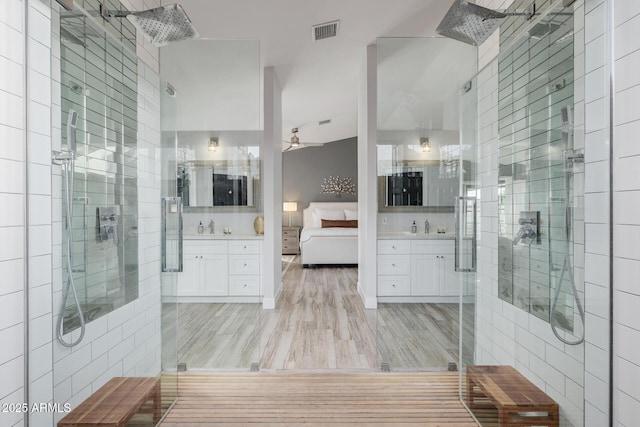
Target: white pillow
321,214
350,215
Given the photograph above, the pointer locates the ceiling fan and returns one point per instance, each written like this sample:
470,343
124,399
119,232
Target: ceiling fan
294,143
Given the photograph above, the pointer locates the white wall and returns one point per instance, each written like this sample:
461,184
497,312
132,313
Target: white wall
626,221
12,199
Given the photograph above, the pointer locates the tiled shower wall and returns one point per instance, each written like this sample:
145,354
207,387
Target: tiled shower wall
12,194
504,333
626,221
125,342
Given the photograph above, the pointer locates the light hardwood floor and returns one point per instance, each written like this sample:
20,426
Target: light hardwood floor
320,323
314,400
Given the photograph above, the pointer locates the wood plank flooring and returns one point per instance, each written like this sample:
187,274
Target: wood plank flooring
314,400
320,323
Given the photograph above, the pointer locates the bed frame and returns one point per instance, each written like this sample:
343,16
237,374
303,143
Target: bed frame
328,249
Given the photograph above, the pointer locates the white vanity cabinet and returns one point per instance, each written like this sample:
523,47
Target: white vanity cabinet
394,267
244,267
417,269
219,270
433,268
204,269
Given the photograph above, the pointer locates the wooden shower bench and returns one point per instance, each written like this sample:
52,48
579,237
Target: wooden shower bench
512,394
115,403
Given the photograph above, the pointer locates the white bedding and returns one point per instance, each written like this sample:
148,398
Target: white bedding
334,245
308,233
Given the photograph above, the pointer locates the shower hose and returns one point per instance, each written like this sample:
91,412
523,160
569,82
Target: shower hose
566,263
67,171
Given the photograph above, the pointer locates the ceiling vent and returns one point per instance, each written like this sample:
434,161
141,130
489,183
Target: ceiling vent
325,31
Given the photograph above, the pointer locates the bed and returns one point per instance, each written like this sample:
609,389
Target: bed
328,245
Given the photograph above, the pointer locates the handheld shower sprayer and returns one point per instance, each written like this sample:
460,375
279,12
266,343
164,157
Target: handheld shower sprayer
72,125
67,160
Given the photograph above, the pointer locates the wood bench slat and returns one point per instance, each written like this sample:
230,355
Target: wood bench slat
114,403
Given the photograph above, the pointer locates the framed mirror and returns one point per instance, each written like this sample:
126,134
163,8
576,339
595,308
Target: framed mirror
409,180
219,171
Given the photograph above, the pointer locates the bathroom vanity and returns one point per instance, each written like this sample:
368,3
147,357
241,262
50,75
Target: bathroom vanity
220,268
417,268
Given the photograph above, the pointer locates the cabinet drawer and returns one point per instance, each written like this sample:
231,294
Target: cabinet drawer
244,286
289,248
290,233
394,286
205,247
239,264
437,247
244,247
394,247
394,265
289,240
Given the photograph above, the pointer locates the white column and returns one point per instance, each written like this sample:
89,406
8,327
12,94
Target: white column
272,189
367,179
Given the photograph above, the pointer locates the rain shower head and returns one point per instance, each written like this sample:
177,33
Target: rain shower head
160,26
470,23
473,24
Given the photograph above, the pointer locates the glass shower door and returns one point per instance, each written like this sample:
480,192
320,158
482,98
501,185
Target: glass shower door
213,165
421,172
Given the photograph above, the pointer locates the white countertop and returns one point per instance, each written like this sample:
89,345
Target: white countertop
400,235
207,236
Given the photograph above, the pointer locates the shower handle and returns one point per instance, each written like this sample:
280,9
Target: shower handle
461,211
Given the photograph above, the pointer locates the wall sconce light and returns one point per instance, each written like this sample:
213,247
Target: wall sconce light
425,144
213,144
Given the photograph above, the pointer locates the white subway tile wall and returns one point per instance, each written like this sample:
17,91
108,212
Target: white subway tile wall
12,222
125,342
626,221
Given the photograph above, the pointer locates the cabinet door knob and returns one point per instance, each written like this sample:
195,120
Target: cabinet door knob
244,247
245,285
394,285
393,246
245,264
393,264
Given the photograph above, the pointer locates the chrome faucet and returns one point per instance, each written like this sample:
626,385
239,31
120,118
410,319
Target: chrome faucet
426,226
212,227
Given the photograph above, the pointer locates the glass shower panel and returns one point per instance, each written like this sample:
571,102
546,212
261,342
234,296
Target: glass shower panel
171,236
420,167
217,167
468,227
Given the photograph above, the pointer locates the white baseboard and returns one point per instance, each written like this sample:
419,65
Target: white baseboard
407,299
369,303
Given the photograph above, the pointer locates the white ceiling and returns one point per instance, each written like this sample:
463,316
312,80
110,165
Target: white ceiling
319,80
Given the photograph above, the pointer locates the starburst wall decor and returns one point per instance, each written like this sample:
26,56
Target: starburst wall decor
336,185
